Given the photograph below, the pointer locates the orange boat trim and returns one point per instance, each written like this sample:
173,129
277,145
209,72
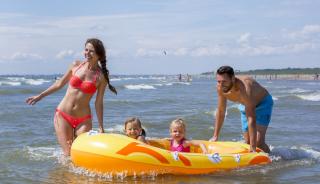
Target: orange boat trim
134,147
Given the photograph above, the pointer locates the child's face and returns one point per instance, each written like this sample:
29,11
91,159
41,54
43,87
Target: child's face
133,130
177,132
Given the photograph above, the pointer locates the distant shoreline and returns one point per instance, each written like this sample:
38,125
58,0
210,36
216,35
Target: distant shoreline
283,76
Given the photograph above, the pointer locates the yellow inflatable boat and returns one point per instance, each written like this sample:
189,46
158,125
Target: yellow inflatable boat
114,154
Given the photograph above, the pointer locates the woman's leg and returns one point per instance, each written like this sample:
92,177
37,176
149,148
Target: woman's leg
64,133
86,126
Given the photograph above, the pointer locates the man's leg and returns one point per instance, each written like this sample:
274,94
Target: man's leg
261,133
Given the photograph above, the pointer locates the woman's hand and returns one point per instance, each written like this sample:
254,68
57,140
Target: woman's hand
33,100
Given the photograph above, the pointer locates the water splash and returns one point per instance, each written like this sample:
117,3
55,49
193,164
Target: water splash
139,87
43,153
310,97
294,153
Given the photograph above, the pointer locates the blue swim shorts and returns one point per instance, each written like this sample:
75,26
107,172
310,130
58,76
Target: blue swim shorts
263,113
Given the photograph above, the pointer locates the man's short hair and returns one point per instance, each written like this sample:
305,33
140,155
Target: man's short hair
226,70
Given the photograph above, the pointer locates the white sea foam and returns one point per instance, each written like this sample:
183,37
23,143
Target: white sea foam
293,153
310,97
36,81
16,78
115,79
115,129
183,83
298,90
275,98
152,78
112,176
139,87
43,153
7,83
17,81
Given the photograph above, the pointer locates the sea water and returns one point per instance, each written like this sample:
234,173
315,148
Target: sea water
30,153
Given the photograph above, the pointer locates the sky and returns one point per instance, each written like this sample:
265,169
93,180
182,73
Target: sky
160,37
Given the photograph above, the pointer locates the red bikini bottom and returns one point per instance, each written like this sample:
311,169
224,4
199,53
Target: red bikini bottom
73,121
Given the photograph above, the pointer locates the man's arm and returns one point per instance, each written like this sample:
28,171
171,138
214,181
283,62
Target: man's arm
220,114
251,116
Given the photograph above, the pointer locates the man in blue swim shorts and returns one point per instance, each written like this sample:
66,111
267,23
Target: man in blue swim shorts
255,106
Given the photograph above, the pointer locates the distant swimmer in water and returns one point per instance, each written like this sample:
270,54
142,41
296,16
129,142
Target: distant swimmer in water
255,106
189,78
164,52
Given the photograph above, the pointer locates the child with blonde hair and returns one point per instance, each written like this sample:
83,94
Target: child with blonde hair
133,129
178,142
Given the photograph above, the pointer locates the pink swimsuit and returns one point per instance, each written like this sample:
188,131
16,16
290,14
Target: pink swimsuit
180,147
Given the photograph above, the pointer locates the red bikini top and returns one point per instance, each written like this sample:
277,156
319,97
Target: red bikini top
85,86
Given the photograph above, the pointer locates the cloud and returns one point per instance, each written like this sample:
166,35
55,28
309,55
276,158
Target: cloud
306,32
18,56
66,54
310,29
143,52
181,52
244,50
262,50
244,38
209,51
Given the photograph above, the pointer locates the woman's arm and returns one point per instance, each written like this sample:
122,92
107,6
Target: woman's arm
53,88
99,103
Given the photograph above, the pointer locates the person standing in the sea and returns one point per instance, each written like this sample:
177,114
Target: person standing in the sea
73,115
255,106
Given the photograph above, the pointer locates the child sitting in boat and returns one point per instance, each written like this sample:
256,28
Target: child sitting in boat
178,142
133,129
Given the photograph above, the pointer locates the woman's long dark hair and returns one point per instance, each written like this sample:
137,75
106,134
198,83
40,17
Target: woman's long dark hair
101,52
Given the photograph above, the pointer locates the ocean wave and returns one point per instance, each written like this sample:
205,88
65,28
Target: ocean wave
115,129
36,81
294,153
152,78
139,87
8,83
310,97
18,81
17,91
123,78
114,176
42,153
298,90
138,78
232,109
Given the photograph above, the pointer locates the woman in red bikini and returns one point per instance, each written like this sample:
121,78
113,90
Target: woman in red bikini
73,114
